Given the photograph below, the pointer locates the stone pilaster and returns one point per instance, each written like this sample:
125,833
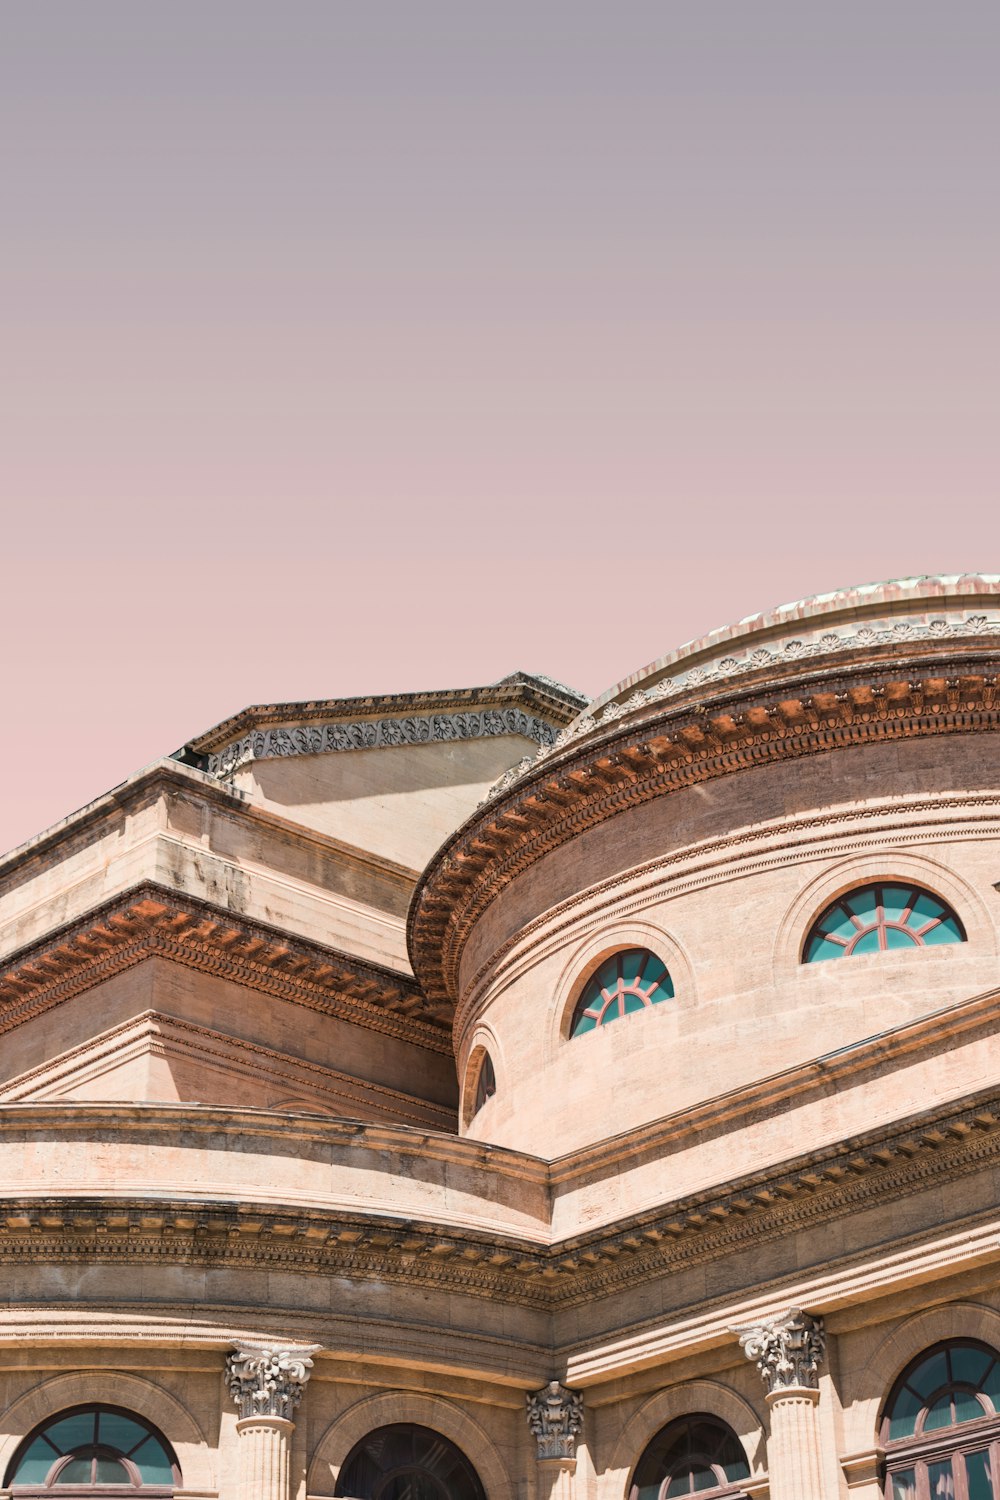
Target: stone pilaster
788,1353
267,1385
555,1417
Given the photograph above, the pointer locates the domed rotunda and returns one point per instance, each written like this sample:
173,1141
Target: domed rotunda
493,1095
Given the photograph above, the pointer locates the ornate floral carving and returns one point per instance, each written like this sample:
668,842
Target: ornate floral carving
369,734
267,1382
555,1416
788,1352
878,633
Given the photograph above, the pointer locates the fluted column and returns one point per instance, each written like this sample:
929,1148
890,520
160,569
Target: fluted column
788,1353
266,1385
555,1417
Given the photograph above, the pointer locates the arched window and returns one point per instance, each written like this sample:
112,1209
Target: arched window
92,1451
875,918
405,1462
486,1083
940,1429
697,1455
627,981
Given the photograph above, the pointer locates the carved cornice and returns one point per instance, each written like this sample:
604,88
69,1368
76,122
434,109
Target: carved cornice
555,1417
788,641
376,734
268,1382
150,921
737,1217
532,706
669,748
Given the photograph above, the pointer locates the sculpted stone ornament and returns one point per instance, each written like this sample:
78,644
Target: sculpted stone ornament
371,734
788,1352
555,1416
267,1382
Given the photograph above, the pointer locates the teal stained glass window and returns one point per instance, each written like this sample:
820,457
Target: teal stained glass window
694,1455
91,1447
877,918
941,1426
957,1383
628,981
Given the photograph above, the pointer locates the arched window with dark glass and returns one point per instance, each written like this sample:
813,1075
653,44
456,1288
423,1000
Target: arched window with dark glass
407,1462
93,1451
941,1429
486,1083
877,918
696,1455
630,980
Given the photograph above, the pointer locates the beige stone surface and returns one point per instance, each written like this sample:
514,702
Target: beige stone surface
233,1112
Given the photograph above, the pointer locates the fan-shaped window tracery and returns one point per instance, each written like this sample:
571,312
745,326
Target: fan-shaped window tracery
630,980
407,1462
90,1449
876,918
696,1455
941,1428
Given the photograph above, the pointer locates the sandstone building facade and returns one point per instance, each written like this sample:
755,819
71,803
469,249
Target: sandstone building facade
492,1095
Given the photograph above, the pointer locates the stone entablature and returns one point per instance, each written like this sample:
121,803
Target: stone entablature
536,708
886,614
375,734
884,619
412,1234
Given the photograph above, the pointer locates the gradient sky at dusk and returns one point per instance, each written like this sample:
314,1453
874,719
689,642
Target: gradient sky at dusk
355,348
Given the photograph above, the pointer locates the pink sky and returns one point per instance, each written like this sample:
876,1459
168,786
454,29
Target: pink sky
356,349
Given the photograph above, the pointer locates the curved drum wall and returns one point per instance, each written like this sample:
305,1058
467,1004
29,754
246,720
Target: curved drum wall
723,882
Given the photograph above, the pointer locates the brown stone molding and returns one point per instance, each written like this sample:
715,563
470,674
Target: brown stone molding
665,749
815,1189
150,921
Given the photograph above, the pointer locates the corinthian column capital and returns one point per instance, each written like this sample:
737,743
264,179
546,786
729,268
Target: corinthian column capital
555,1416
787,1351
268,1382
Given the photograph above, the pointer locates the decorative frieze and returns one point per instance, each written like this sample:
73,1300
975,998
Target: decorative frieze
788,1351
373,734
800,645
555,1416
267,1382
240,1237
